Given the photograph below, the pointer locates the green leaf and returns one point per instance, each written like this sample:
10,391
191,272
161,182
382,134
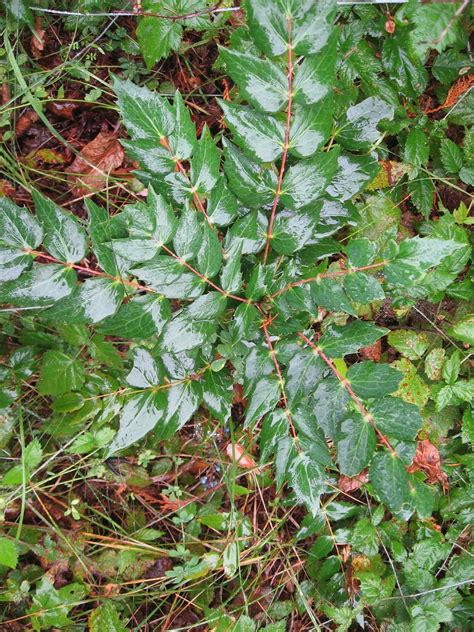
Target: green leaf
64,237
217,394
310,128
452,367
231,277
170,278
183,401
41,286
145,372
463,329
260,81
18,227
105,618
263,395
358,130
314,77
329,294
368,379
306,478
396,418
434,363
209,257
415,257
91,302
352,175
253,185
102,229
402,65
306,181
451,156
155,219
409,343
187,240
145,113
140,414
293,229
60,374
139,319
305,369
261,136
421,192
390,480
274,428
183,138
363,288
157,37
311,25
222,205
8,553
355,445
205,164
19,12
339,341
417,149
194,325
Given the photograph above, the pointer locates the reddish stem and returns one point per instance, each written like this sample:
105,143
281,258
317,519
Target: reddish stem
286,146
365,414
282,385
197,200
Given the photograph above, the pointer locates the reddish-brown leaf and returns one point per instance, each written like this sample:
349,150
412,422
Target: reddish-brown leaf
95,162
37,39
427,459
372,352
25,121
236,453
352,483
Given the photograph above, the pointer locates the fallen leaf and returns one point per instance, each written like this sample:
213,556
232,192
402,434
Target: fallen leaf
95,162
25,121
427,459
37,39
372,352
462,85
63,109
237,452
45,156
352,483
6,188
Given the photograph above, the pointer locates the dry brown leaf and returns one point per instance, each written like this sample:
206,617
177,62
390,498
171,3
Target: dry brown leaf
372,352
351,484
25,121
427,459
96,161
236,452
37,39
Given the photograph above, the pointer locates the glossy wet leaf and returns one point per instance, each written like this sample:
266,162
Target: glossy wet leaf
369,379
339,341
169,277
145,372
193,325
253,185
396,418
358,130
261,82
355,445
259,135
146,114
139,415
42,286
18,227
390,480
307,26
306,181
157,37
140,318
91,302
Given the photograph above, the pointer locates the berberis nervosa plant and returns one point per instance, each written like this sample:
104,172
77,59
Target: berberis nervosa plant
227,273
